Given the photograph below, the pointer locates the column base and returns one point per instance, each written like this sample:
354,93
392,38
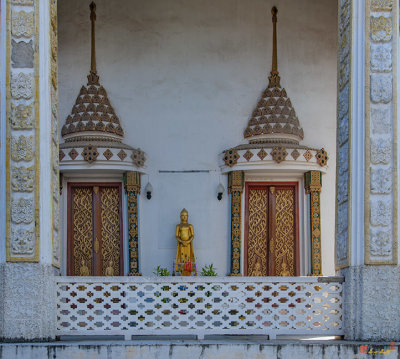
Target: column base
27,302
372,303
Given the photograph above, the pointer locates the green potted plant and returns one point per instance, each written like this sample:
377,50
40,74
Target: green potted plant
161,272
208,271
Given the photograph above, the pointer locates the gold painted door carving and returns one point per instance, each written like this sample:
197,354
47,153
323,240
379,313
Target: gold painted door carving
257,260
271,230
94,230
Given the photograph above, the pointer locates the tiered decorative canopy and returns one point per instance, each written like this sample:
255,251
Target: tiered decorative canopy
91,113
274,130
274,119
92,132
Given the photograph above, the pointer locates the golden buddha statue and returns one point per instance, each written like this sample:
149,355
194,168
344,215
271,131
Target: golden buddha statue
110,270
257,270
84,270
185,261
285,270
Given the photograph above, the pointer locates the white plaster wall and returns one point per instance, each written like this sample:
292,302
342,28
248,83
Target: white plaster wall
184,77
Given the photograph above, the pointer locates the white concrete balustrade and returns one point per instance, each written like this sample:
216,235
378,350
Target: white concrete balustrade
199,306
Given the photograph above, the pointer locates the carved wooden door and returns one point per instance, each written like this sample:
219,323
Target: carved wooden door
94,229
271,229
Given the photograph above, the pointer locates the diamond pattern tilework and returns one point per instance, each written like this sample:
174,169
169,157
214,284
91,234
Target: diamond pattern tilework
90,153
308,155
322,157
73,153
231,157
107,154
122,155
295,154
248,155
138,157
279,154
262,154
61,155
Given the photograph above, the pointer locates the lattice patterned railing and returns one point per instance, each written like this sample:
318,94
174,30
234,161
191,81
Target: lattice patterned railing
199,305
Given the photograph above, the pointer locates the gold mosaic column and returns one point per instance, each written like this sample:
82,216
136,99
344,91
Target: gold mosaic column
235,188
132,188
313,184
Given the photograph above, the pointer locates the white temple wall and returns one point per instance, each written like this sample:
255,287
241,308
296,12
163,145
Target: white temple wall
184,77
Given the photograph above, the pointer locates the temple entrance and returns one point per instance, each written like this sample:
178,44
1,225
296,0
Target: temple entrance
271,230
94,229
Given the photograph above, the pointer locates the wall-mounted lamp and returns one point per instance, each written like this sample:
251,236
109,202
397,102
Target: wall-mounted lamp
220,191
148,189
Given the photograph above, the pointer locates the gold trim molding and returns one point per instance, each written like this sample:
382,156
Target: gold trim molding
132,182
132,189
235,181
312,181
313,185
235,188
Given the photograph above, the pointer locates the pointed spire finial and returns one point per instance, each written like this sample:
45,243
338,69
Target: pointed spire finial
274,79
274,12
92,7
93,78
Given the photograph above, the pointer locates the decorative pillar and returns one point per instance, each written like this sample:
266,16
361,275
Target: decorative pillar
55,175
235,189
367,168
132,189
31,243
312,185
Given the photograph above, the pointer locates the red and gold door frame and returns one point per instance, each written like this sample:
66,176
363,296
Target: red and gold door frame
271,229
94,229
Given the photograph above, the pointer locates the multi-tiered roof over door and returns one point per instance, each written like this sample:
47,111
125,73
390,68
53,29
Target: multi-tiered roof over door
274,119
92,132
273,131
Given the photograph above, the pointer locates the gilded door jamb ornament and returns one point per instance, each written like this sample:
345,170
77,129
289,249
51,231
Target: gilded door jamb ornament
110,236
81,255
313,185
271,254
235,188
132,189
257,227
282,229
